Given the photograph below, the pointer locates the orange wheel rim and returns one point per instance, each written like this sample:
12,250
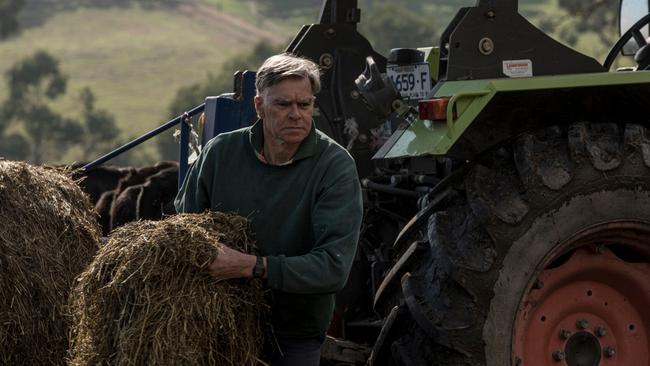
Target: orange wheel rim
590,305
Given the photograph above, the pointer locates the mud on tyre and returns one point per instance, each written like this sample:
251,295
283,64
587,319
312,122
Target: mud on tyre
541,254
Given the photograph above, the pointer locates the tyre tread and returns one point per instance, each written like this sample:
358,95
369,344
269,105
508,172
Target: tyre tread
470,237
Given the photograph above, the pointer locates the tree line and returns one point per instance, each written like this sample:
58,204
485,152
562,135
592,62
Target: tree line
31,130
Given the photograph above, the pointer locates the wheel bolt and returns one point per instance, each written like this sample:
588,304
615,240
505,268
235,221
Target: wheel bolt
582,324
610,351
565,334
558,356
601,331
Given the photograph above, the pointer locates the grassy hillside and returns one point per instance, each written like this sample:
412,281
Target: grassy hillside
135,59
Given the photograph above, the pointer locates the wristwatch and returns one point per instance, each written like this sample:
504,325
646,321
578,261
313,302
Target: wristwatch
258,270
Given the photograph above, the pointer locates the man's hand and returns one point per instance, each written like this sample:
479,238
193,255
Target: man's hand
231,263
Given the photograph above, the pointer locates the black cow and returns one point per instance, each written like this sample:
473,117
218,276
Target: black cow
99,180
104,205
130,203
157,193
103,209
132,177
125,206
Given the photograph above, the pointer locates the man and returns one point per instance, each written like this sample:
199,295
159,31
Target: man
301,192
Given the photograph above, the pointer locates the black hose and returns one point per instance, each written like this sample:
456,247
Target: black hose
390,189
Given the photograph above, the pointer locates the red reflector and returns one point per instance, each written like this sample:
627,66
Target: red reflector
433,109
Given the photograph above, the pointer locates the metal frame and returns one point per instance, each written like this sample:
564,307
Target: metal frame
183,151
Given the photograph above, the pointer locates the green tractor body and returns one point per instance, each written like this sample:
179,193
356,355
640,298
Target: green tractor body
495,67
484,113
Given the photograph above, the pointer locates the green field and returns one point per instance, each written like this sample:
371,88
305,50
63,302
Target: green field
135,59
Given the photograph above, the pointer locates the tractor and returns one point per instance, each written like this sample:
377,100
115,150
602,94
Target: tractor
507,183
506,188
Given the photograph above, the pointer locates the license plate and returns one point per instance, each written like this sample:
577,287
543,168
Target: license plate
412,81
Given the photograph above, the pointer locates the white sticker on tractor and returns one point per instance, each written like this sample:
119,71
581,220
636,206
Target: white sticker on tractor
518,68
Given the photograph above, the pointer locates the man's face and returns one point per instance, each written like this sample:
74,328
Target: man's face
286,108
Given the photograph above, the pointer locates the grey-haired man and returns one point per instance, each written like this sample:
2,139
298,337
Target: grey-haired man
301,191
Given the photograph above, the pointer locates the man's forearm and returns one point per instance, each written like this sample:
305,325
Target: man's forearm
231,263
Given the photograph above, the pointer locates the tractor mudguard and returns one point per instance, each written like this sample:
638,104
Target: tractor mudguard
484,113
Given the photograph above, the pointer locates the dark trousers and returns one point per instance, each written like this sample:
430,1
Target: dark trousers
298,352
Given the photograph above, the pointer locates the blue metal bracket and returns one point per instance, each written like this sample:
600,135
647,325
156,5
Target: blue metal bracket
230,111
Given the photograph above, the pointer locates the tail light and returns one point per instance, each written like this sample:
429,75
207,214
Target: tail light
433,109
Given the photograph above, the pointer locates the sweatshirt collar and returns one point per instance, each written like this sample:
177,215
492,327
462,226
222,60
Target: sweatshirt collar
256,139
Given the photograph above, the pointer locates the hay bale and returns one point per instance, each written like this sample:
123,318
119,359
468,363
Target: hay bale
147,298
48,234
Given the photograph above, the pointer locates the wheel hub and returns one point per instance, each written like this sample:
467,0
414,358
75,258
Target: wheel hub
583,349
589,306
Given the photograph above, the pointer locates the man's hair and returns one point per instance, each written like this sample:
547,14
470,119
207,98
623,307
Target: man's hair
284,66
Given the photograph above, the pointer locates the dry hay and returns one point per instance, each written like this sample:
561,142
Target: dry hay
48,233
147,298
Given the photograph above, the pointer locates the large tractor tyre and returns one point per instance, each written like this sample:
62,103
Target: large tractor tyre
540,257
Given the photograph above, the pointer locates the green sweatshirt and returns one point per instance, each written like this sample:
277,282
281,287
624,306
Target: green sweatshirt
305,216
